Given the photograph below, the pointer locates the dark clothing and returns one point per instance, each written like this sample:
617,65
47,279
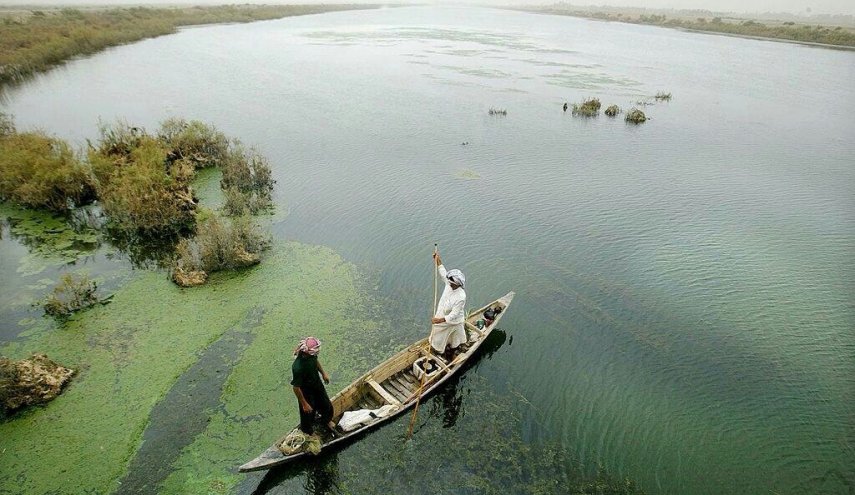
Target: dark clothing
306,376
305,373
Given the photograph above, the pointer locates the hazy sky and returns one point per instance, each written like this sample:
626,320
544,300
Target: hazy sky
792,6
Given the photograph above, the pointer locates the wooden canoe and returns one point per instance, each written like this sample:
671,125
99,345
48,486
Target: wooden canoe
391,382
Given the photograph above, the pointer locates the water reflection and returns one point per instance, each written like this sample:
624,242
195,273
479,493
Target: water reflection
144,253
449,400
49,235
322,473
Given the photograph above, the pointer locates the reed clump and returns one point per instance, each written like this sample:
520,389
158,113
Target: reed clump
663,96
141,193
7,125
587,108
497,111
144,180
200,144
612,110
219,244
72,294
636,116
41,171
247,182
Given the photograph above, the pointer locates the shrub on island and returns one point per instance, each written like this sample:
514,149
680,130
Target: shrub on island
247,182
636,116
73,293
612,111
141,192
219,244
144,180
588,108
41,171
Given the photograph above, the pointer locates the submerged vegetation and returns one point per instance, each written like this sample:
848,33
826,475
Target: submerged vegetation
663,96
587,108
73,293
36,40
636,116
790,31
468,174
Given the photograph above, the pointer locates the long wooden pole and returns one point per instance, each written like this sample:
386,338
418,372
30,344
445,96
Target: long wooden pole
430,348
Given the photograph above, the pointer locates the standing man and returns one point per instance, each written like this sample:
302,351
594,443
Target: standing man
447,330
311,394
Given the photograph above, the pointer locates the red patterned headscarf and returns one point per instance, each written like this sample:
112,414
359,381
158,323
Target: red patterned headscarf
309,345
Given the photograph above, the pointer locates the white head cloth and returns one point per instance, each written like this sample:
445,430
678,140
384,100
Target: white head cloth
457,277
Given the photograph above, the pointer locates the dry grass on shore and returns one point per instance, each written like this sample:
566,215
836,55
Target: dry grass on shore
791,30
32,41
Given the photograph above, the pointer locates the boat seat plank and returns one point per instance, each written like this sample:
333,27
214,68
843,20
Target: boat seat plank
383,393
401,379
405,386
398,394
376,397
411,381
391,382
411,378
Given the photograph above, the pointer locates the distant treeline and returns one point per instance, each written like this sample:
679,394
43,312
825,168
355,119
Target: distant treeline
789,30
33,41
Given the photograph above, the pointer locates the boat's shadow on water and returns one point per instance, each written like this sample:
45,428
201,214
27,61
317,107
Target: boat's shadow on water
321,472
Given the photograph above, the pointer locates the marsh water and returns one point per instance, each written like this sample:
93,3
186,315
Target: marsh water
685,311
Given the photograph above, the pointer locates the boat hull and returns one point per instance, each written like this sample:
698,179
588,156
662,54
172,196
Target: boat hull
390,382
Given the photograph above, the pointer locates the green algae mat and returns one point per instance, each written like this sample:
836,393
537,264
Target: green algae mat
131,353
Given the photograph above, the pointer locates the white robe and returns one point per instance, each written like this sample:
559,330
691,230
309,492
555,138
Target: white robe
451,307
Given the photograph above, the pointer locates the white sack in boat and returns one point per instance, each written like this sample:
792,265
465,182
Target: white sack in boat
352,420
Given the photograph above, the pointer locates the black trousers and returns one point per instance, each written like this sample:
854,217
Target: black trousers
321,407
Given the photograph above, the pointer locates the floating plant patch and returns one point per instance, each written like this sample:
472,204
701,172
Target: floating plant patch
467,174
49,238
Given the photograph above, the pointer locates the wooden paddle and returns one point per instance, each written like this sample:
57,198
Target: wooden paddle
430,349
